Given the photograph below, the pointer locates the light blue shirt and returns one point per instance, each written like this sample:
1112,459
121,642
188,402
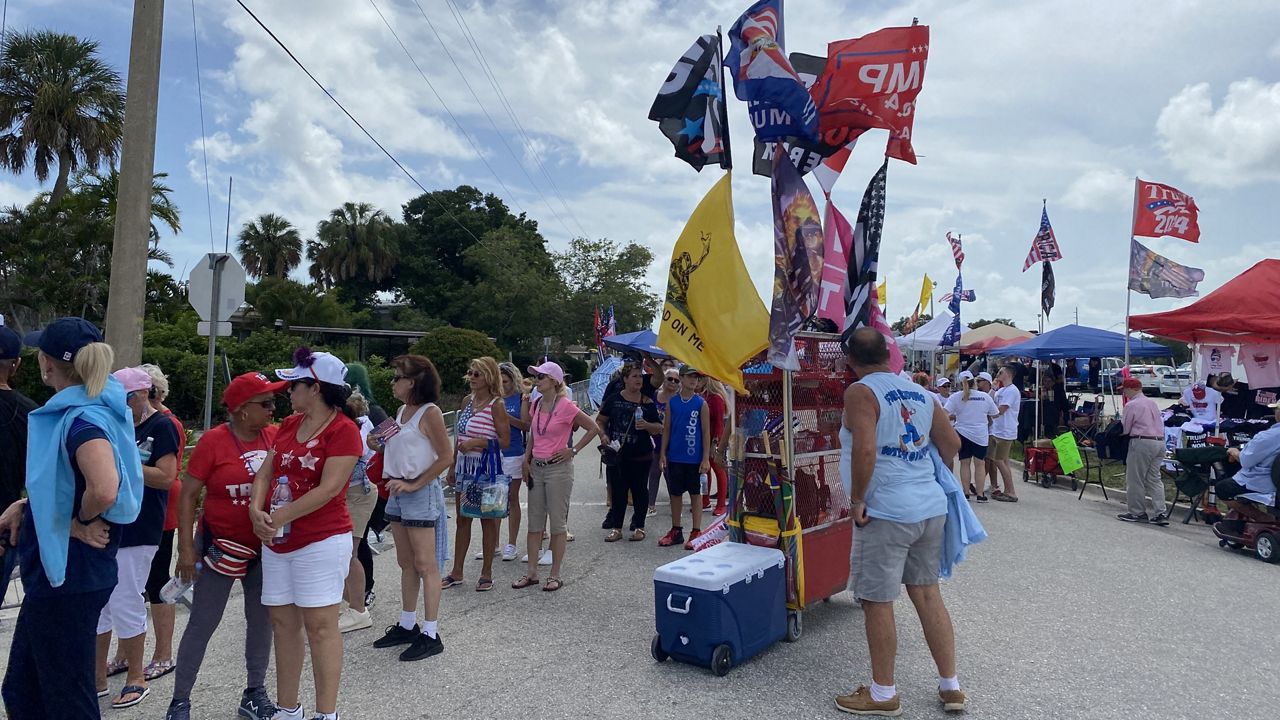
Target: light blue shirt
903,485
1256,460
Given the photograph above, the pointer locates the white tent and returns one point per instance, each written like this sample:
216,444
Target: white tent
927,337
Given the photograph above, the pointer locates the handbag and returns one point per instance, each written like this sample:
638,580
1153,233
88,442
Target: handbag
230,558
609,455
484,488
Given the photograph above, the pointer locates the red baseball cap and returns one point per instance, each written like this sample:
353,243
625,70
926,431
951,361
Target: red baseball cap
1131,384
246,386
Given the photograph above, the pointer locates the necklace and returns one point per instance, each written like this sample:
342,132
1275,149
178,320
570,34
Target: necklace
542,427
323,425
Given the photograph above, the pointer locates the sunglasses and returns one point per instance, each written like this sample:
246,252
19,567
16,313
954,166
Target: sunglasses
474,373
541,376
672,380
265,404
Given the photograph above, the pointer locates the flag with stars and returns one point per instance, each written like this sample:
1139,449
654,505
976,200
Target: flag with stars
1044,248
952,334
860,302
689,107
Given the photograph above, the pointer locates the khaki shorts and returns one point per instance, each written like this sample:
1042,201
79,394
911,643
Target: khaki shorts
549,490
360,506
999,449
888,555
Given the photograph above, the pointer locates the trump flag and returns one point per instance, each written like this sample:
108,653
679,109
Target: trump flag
1164,210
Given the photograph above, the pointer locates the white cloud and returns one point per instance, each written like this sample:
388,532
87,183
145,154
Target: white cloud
1235,144
1106,187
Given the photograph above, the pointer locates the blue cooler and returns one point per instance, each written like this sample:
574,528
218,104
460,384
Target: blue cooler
721,606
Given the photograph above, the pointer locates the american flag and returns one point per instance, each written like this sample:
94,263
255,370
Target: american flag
1045,247
966,296
861,305
956,250
952,334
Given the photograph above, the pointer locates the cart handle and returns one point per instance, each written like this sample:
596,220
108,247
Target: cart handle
688,602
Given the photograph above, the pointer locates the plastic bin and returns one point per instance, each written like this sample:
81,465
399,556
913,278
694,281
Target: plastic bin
720,607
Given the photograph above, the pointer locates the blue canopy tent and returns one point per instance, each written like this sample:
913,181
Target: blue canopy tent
639,341
1076,341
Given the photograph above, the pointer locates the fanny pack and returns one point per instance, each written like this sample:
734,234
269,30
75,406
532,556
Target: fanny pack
229,558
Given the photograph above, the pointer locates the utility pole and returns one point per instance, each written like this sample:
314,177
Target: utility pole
133,204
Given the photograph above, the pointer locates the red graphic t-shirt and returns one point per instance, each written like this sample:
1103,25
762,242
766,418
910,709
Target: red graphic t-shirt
303,464
226,465
175,490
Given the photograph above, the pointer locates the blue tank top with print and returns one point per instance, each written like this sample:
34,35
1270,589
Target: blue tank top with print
685,445
903,486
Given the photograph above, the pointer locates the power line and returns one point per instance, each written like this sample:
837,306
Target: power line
204,148
456,122
474,44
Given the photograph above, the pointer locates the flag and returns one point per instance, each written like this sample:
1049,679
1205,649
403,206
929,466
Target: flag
777,100
599,329
689,106
952,334
966,296
1044,248
1164,210
864,264
872,82
712,319
882,292
610,325
837,242
926,292
957,251
1046,289
798,250
807,155
1160,277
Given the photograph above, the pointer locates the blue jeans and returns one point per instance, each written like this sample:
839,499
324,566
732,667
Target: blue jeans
51,673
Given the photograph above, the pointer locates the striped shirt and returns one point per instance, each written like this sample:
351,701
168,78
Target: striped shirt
477,423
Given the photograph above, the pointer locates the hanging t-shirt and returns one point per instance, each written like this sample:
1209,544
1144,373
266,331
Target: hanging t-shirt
1261,364
303,464
1005,427
1203,402
148,529
685,445
227,465
1215,359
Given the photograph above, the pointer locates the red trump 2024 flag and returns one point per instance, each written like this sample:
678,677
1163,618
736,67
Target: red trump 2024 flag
1164,210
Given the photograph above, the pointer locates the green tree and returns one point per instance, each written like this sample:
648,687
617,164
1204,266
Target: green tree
166,297
603,273
451,350
269,246
296,304
59,105
983,321
355,251
900,325
510,271
96,195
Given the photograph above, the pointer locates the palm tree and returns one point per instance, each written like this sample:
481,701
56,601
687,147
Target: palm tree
356,243
269,246
59,104
99,193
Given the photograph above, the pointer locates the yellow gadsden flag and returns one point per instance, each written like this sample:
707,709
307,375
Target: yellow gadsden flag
926,292
882,292
713,318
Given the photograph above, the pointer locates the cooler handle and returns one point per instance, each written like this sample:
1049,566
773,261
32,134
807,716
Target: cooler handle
688,602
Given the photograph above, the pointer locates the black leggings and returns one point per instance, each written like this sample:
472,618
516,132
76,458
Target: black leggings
628,476
377,523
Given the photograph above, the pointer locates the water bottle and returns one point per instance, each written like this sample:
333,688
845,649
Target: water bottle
702,484
144,449
639,415
177,587
280,497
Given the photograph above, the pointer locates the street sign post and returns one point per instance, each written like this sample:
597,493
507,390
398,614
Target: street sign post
216,290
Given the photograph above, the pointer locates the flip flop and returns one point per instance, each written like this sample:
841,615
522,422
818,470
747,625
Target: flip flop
120,703
104,692
484,585
524,582
552,585
449,581
115,667
158,669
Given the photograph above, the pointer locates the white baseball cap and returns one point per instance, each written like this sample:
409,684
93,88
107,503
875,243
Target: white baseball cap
319,366
943,382
984,376
965,376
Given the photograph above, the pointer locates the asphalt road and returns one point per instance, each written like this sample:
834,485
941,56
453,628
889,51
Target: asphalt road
1063,612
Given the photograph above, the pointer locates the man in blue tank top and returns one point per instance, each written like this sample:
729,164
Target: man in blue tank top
900,512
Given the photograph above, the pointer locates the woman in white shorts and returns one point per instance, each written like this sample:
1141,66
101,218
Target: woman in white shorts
307,542
416,452
517,404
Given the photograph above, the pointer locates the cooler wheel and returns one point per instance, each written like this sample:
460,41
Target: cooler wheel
721,660
795,626
655,649
1267,547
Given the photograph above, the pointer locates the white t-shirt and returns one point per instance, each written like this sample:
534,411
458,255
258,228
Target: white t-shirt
971,416
1261,365
1215,359
1204,410
1005,427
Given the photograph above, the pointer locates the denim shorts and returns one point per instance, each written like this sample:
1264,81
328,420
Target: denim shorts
420,508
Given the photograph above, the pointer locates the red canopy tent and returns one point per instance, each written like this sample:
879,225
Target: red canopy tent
1244,310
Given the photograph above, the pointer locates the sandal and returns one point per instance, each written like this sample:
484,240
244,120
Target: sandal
104,692
120,703
568,537
637,535
524,582
449,581
614,535
552,585
115,667
158,669
484,585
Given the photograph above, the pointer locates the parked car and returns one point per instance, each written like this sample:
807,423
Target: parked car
1151,376
1172,384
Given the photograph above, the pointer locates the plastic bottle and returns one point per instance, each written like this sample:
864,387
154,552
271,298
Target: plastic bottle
177,587
702,484
280,497
639,415
144,449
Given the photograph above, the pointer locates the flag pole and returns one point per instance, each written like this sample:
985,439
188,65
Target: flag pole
1128,291
726,161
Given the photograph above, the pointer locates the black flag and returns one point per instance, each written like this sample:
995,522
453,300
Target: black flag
1046,289
689,107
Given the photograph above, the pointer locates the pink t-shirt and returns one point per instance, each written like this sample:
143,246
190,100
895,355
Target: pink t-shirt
552,425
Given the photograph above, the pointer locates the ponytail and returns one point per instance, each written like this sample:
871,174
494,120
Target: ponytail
968,385
92,366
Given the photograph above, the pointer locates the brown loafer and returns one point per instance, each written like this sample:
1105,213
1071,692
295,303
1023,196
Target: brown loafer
952,700
859,702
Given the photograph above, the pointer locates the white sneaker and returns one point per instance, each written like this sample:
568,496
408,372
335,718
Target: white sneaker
480,555
295,714
509,553
544,557
351,620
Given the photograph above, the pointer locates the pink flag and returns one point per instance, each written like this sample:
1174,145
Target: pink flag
896,362
837,243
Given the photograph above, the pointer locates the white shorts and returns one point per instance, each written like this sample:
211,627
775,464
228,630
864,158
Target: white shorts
126,611
309,577
513,466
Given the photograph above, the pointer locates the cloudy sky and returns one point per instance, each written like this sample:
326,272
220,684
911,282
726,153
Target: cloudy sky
1021,102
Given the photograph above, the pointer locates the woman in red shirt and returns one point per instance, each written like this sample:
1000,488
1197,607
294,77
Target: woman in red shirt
223,464
718,409
307,541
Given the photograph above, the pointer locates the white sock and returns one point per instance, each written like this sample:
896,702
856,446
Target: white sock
408,619
951,683
429,627
883,693
326,716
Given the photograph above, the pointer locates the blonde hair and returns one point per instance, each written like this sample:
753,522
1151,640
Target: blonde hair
91,367
158,380
968,385
489,372
357,403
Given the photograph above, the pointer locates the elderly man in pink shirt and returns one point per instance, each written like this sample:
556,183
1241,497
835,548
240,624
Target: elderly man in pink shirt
1142,424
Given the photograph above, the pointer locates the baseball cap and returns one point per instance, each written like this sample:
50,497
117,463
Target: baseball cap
63,338
319,366
246,386
687,369
1131,383
984,376
943,382
548,368
10,344
965,376
133,378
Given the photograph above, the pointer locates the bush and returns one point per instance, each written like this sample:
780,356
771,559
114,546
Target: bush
452,349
